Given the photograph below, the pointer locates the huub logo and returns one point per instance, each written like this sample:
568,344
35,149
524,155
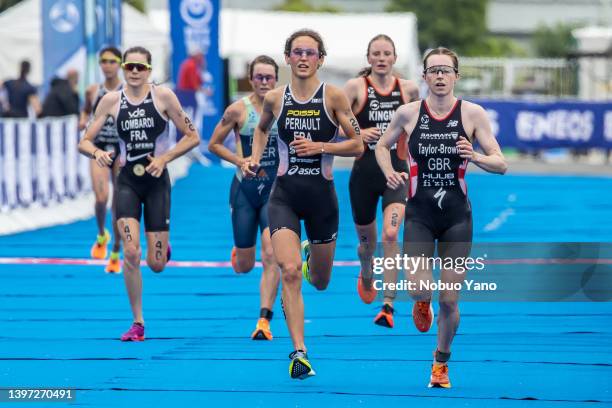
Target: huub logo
371,92
138,113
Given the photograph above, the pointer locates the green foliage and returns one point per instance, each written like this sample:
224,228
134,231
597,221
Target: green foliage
492,46
138,5
4,4
554,42
456,24
304,6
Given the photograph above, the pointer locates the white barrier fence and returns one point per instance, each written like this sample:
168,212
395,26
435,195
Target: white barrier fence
40,164
44,181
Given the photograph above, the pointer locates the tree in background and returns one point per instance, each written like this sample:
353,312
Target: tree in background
4,4
304,6
456,24
138,5
554,42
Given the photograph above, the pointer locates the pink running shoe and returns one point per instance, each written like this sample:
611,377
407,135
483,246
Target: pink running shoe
136,333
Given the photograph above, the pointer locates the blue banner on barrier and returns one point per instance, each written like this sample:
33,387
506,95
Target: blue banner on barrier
62,34
531,125
194,27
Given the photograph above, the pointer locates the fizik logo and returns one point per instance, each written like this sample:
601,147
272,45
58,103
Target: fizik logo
138,113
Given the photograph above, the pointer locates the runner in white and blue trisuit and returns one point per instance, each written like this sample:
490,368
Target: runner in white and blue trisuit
249,196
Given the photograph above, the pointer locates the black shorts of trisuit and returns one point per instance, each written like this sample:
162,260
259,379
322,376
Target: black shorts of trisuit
365,188
313,201
135,192
452,228
109,147
247,215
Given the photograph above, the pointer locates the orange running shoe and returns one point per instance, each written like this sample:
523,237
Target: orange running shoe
114,264
423,316
367,294
99,250
439,376
385,317
262,330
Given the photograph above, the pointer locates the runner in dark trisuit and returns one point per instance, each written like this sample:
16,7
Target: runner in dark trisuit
308,114
141,112
249,196
106,139
440,132
375,96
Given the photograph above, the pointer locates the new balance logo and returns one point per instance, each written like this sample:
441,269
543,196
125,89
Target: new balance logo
452,123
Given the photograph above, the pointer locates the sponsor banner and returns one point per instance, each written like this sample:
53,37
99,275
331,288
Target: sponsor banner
194,25
62,36
531,125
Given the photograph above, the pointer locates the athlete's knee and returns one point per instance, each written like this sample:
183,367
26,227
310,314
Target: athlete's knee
448,304
156,265
365,250
390,233
243,264
101,199
132,254
267,257
319,283
291,273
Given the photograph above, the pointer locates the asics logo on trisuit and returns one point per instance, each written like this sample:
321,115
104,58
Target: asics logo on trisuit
304,171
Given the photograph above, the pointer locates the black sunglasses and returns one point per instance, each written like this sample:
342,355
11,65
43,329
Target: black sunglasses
139,66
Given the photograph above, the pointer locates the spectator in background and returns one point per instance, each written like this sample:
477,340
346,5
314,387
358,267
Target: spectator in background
63,97
20,94
190,71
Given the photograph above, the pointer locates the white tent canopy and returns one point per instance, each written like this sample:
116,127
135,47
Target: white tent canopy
21,33
246,34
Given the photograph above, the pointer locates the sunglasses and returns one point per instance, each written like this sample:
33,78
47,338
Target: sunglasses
308,52
139,66
444,69
261,78
109,61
